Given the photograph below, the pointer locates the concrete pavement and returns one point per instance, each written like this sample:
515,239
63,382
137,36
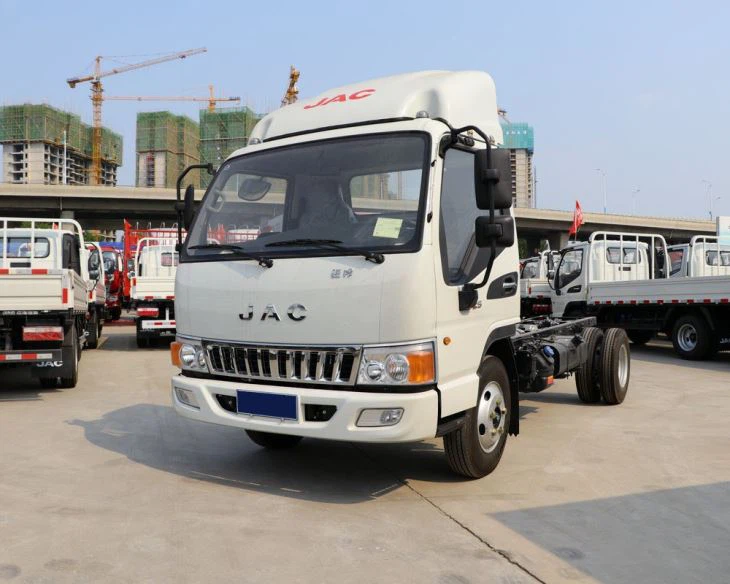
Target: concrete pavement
104,483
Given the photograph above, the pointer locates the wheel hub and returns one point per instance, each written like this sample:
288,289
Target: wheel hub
491,416
687,337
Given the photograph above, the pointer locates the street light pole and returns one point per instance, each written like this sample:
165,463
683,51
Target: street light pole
605,195
712,206
633,200
709,194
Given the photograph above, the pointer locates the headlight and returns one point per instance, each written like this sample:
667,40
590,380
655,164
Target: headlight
189,355
397,365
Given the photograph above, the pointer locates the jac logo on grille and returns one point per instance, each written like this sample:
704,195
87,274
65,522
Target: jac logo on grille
341,98
296,312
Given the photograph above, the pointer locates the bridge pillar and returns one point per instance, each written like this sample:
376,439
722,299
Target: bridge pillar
68,214
558,239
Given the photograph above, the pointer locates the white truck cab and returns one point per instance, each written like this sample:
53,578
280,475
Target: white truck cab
702,256
623,279
153,287
375,297
43,298
96,284
536,274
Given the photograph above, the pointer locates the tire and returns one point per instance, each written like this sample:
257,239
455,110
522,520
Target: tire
475,449
273,441
116,313
640,337
587,378
72,352
142,342
615,366
49,382
691,338
92,339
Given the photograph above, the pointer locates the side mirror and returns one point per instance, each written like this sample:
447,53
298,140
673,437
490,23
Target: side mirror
493,182
501,231
189,208
551,275
94,274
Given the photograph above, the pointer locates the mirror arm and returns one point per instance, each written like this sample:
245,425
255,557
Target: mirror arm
179,206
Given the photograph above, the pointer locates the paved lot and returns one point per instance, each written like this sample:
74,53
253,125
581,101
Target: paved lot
104,483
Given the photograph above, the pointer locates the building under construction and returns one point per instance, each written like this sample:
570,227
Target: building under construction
166,144
519,138
222,131
44,145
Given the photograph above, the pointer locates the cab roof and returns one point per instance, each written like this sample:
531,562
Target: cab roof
461,98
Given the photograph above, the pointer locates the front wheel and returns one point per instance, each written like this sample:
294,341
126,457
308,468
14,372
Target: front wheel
273,441
475,449
691,337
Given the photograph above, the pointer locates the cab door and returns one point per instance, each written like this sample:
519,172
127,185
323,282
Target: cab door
462,334
570,280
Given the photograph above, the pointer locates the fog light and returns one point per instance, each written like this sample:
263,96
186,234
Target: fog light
186,397
380,417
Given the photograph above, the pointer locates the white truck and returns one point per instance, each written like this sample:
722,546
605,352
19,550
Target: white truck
623,279
378,302
97,294
43,298
702,256
153,288
536,274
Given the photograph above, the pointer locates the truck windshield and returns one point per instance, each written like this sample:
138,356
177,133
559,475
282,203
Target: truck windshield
364,193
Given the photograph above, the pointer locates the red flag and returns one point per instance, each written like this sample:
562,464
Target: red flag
577,219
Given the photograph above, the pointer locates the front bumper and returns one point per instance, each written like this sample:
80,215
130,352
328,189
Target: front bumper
419,421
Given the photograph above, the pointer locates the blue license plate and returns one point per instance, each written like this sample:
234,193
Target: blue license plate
271,405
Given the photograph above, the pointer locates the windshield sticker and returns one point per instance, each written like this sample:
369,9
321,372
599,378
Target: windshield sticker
387,227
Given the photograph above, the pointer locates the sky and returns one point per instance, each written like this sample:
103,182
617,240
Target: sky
637,89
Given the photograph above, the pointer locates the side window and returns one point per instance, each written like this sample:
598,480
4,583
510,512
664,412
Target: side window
461,260
71,256
570,267
675,257
530,270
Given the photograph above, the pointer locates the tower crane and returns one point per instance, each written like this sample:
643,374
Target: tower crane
212,99
97,97
292,92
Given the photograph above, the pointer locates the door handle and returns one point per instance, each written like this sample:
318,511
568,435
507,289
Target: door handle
509,285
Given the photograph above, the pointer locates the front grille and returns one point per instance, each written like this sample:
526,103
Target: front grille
321,365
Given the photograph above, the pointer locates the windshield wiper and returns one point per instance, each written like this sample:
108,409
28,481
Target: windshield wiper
238,251
371,256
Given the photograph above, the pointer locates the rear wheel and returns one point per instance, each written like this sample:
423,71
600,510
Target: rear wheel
475,449
639,337
273,441
615,366
71,356
587,377
92,339
691,337
142,342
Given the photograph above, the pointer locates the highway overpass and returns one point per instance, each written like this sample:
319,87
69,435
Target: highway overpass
106,207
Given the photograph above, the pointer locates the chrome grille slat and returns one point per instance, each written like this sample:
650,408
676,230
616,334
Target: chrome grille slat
285,364
336,366
319,371
289,364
